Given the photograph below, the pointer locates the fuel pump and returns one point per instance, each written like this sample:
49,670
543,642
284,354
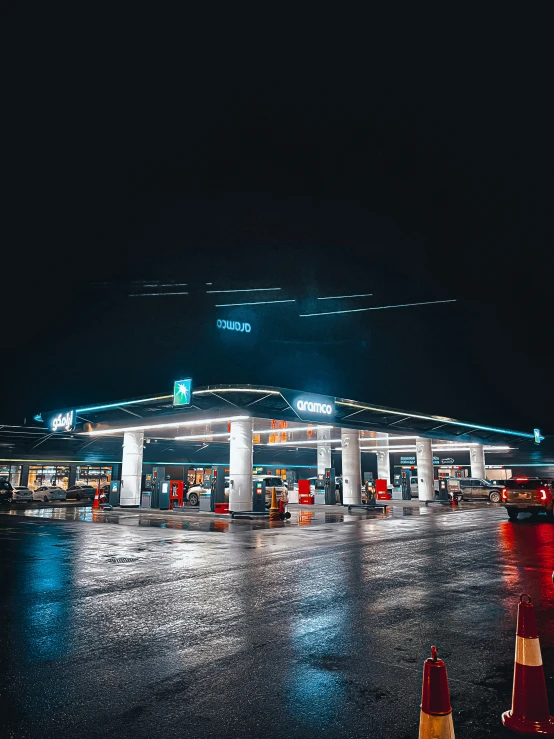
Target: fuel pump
164,495
113,499
217,488
158,477
330,486
258,496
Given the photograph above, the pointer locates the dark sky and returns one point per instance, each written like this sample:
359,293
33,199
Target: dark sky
424,174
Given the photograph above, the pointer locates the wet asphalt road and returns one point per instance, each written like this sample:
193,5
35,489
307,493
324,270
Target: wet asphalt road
218,630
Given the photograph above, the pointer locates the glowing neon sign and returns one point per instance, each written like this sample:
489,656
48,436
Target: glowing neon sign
234,325
62,422
325,409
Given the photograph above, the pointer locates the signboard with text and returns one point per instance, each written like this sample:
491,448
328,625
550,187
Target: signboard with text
311,407
61,420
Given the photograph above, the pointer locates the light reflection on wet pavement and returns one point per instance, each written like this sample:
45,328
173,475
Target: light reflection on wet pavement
136,624
194,521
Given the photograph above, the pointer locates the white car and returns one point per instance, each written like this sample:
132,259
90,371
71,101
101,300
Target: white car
195,491
21,492
46,493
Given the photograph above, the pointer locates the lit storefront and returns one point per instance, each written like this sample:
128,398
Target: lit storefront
95,476
48,475
34,475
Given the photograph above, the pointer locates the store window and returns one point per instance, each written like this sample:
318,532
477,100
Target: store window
15,474
95,476
11,472
48,475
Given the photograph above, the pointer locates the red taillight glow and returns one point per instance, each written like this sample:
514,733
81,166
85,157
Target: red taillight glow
504,493
544,494
521,479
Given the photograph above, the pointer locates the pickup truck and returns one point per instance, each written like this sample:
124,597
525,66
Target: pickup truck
528,494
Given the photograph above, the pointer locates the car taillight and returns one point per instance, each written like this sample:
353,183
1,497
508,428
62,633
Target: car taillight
504,493
544,494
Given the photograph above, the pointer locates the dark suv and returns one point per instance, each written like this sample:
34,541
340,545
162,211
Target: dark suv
528,494
474,488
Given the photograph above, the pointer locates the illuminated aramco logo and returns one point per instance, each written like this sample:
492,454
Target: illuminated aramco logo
234,325
62,422
326,409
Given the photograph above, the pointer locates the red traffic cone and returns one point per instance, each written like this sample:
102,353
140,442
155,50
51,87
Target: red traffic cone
529,713
96,503
436,712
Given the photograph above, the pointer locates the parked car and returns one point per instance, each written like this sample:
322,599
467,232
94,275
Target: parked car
81,491
531,494
278,483
21,493
414,487
46,493
474,488
195,491
192,496
6,490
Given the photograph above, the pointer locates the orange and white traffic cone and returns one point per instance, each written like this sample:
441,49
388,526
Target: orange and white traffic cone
436,712
96,503
529,713
274,508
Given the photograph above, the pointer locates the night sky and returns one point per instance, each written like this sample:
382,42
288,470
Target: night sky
411,181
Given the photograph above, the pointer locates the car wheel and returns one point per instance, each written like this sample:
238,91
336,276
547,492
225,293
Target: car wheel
45,499
494,497
193,499
512,514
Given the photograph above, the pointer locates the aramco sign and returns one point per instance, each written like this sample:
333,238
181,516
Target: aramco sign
62,421
241,326
324,409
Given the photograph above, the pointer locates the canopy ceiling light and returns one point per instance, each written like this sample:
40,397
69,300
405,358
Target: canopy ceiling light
173,424
220,390
445,419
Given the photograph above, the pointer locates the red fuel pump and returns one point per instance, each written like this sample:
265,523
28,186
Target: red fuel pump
176,491
381,490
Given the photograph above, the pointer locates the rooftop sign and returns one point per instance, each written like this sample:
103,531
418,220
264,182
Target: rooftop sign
182,392
310,407
61,421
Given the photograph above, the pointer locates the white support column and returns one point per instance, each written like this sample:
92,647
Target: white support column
383,458
477,460
351,467
240,466
131,469
323,450
425,472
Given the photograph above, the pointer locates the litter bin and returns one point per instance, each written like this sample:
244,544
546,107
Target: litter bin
205,502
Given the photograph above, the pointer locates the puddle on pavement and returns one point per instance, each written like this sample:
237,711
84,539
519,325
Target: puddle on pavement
195,522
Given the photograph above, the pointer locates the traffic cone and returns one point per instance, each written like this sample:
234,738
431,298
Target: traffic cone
96,503
529,713
436,712
274,508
